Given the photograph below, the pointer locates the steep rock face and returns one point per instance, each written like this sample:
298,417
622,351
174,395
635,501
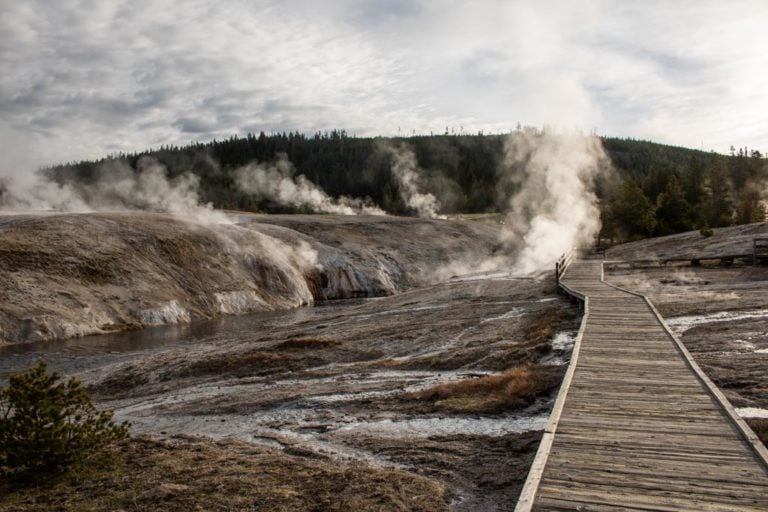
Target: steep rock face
68,275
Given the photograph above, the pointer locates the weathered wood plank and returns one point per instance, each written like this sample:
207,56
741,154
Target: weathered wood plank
660,463
661,492
619,499
706,475
621,430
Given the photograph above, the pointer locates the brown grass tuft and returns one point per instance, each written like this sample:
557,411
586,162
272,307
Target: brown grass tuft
121,383
250,361
493,393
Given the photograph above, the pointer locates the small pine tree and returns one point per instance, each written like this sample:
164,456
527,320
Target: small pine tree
673,213
46,424
705,230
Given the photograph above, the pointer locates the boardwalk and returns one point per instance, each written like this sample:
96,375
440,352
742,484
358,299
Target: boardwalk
636,426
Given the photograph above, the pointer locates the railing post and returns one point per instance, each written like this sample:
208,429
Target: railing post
561,265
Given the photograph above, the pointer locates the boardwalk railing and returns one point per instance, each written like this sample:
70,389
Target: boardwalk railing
759,250
561,265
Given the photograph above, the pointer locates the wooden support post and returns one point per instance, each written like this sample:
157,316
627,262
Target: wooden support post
759,250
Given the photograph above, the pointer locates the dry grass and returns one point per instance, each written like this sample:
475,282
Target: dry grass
196,474
493,393
249,362
121,382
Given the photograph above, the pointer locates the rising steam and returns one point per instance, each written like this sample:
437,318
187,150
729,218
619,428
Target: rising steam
406,170
117,187
553,206
275,181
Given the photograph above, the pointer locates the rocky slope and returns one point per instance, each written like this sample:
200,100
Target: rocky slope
67,275
736,240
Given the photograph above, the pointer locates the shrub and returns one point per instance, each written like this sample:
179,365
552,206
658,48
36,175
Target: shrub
47,423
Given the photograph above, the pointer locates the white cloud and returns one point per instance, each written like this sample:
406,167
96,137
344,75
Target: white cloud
84,78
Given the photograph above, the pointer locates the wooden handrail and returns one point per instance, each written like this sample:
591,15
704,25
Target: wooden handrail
562,263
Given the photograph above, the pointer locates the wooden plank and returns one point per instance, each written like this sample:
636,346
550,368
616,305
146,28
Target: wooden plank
682,453
619,498
564,504
732,470
655,469
700,492
711,428
711,488
627,416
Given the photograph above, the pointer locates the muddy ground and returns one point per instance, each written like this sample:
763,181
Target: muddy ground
721,315
354,381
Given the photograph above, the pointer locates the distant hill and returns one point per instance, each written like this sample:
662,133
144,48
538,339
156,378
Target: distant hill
659,189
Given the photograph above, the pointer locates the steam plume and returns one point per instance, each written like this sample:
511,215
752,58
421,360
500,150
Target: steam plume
405,167
276,181
553,205
118,187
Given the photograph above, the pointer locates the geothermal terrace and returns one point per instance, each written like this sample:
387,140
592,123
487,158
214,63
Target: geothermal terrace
417,380
637,425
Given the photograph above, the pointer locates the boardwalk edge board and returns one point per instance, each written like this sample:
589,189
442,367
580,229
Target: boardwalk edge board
531,487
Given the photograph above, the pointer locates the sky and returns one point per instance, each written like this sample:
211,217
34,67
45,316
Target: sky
85,78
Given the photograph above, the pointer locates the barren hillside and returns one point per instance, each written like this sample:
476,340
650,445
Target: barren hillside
731,241
67,275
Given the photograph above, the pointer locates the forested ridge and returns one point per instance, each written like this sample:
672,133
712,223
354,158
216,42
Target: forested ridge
657,190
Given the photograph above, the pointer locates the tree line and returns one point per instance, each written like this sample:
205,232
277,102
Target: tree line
658,189
664,190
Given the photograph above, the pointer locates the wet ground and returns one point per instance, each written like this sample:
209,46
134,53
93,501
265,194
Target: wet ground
342,381
721,315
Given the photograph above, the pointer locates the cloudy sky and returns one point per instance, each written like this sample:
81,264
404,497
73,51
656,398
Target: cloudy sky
84,78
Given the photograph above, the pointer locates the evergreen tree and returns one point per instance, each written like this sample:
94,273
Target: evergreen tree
47,423
673,213
718,208
751,205
693,182
632,212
